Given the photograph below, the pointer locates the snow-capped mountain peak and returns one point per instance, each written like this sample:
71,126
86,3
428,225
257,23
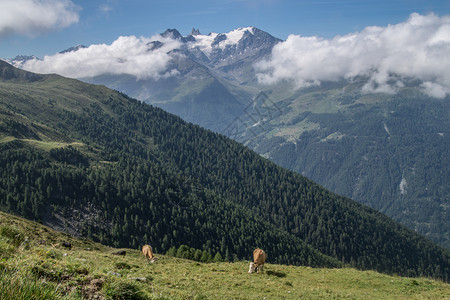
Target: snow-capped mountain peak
233,37
73,49
20,60
240,42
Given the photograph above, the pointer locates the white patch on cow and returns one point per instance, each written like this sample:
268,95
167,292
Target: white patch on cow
251,268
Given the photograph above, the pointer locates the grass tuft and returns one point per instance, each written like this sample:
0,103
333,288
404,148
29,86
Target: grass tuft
14,235
122,265
123,290
19,285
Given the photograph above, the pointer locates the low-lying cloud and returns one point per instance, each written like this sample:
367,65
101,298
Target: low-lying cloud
418,48
35,17
126,55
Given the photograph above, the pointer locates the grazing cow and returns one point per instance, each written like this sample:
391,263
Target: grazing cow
259,258
148,253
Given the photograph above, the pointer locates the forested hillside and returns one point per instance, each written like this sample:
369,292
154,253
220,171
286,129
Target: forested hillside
390,152
386,150
96,163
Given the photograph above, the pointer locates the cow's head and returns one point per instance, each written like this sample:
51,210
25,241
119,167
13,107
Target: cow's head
252,267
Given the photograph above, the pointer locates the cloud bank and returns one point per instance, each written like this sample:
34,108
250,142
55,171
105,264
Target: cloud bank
418,48
126,55
35,17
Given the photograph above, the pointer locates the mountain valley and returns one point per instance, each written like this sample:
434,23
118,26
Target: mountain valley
96,163
386,150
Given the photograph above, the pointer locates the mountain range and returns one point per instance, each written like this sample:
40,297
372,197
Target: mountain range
95,163
386,150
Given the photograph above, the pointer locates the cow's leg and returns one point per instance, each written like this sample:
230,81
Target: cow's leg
251,268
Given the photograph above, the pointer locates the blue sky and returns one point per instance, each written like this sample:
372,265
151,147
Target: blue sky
61,24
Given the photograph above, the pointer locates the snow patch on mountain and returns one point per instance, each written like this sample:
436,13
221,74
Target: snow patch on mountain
386,129
403,185
206,43
233,37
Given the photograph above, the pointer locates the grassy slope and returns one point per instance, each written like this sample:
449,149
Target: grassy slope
35,247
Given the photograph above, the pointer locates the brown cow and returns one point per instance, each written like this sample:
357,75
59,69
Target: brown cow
148,253
259,258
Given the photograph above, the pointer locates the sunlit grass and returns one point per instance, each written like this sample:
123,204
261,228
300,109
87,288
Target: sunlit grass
19,284
43,145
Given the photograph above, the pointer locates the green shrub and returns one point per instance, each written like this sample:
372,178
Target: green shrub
206,256
218,257
44,271
185,252
198,255
172,251
288,283
53,254
118,290
6,248
123,265
15,236
77,269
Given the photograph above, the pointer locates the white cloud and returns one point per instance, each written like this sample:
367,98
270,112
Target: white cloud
34,17
435,90
126,55
105,8
417,48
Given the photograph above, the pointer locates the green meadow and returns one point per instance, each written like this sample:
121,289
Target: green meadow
35,265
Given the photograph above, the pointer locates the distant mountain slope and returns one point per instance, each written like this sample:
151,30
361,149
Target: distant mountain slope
390,152
188,94
96,163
